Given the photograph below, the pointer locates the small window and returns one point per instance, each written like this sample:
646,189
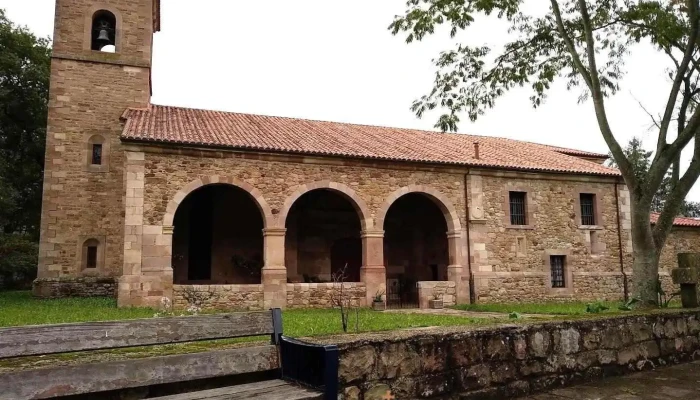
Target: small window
92,254
587,209
91,257
518,215
96,154
557,266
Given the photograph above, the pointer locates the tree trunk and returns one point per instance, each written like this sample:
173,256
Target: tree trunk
645,267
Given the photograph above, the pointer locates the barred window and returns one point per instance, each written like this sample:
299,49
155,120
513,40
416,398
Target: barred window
518,214
587,209
557,266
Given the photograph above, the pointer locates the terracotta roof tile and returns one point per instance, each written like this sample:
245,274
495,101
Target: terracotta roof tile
678,221
165,124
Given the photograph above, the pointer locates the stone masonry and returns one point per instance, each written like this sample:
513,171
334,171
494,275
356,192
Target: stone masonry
510,361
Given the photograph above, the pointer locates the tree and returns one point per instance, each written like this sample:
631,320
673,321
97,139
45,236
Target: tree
641,159
24,89
584,43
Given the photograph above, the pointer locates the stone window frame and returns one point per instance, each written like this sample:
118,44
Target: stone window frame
529,206
92,139
597,209
83,243
568,288
87,32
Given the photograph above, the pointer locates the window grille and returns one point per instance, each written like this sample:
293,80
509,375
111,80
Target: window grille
587,209
557,265
518,214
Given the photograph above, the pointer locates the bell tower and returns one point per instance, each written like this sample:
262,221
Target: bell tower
101,65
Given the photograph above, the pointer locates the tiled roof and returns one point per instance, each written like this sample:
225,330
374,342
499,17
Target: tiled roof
678,221
163,124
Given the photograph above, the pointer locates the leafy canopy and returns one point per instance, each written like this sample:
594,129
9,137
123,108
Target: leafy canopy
24,88
470,78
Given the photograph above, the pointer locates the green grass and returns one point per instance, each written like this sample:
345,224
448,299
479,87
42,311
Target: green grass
573,308
20,308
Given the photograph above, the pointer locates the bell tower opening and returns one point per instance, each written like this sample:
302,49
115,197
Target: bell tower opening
104,28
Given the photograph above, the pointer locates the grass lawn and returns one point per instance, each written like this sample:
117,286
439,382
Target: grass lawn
573,308
20,308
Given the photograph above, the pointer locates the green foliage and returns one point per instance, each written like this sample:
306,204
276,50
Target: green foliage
379,296
18,259
470,79
24,88
514,315
640,160
629,304
664,298
596,308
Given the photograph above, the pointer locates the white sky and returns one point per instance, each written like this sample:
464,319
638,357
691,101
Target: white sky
336,61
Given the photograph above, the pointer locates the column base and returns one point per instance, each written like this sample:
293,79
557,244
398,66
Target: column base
274,281
374,278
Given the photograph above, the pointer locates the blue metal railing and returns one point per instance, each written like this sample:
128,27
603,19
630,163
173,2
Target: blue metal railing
311,365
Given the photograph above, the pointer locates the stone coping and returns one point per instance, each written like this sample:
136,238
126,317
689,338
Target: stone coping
557,322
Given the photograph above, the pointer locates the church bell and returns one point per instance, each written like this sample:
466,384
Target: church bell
103,37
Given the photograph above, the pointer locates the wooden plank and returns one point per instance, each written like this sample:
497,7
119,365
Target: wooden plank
51,339
98,377
272,389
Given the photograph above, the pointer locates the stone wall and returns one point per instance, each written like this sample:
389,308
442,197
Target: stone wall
219,297
512,263
75,287
508,361
427,290
89,92
318,295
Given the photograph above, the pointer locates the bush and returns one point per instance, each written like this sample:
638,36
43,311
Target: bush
18,261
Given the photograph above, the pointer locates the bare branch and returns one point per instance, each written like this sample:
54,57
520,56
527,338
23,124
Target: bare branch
680,75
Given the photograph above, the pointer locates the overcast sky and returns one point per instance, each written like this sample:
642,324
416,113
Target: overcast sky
336,60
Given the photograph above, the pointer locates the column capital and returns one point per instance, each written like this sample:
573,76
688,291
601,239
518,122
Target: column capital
168,229
372,233
274,231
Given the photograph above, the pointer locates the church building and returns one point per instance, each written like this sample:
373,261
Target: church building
144,201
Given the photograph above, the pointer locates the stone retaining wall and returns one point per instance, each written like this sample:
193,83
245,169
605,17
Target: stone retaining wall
318,295
75,287
445,290
219,297
509,360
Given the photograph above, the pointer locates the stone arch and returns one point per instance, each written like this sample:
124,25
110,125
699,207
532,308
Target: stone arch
212,180
445,205
345,190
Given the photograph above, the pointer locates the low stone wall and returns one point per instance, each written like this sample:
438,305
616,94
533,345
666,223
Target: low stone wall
318,295
446,290
509,360
219,297
75,287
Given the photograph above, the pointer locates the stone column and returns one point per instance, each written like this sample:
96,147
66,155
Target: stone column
373,271
455,269
274,273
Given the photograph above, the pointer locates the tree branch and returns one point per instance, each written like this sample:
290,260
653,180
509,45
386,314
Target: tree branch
680,75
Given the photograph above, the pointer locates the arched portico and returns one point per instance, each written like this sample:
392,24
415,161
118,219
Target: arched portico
421,240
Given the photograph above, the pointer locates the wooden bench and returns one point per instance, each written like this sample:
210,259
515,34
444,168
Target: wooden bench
299,370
